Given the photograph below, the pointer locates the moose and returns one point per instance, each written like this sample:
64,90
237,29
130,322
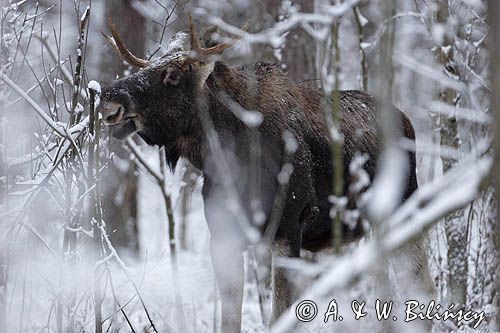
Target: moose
262,145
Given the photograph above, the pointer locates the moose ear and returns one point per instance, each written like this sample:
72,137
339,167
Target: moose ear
202,57
172,76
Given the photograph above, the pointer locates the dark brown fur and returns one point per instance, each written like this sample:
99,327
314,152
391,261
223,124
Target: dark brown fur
171,116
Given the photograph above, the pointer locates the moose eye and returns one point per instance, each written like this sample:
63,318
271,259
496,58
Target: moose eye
172,77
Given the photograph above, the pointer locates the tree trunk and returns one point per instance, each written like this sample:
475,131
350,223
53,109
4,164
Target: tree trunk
494,48
298,53
298,56
455,224
120,188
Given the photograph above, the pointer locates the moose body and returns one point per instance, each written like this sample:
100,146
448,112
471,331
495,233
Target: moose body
254,134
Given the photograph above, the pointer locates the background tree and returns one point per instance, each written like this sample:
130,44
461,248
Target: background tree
455,225
120,193
298,51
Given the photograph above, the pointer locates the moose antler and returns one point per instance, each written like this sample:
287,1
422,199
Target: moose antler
118,45
201,51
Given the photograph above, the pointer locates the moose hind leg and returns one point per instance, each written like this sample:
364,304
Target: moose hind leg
282,286
420,266
414,273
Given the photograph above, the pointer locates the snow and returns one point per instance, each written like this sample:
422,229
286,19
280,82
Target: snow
252,118
79,108
387,188
285,173
446,49
41,276
291,144
360,179
95,86
362,20
178,42
365,45
438,33
85,14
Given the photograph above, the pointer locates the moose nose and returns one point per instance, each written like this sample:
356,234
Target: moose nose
112,112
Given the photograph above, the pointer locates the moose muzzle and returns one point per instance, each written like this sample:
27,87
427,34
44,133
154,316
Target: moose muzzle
115,116
113,113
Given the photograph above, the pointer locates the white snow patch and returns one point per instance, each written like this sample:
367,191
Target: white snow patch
177,42
95,86
291,144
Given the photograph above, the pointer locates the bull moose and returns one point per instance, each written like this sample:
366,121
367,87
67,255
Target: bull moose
263,146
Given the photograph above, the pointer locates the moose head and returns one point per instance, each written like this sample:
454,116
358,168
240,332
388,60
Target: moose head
159,101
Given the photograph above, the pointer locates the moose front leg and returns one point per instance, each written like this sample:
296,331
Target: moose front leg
226,247
228,266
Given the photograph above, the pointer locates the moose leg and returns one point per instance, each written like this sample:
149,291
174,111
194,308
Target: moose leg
229,272
415,253
226,247
415,280
282,287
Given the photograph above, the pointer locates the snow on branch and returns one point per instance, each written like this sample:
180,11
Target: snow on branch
69,134
427,71
273,35
56,127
